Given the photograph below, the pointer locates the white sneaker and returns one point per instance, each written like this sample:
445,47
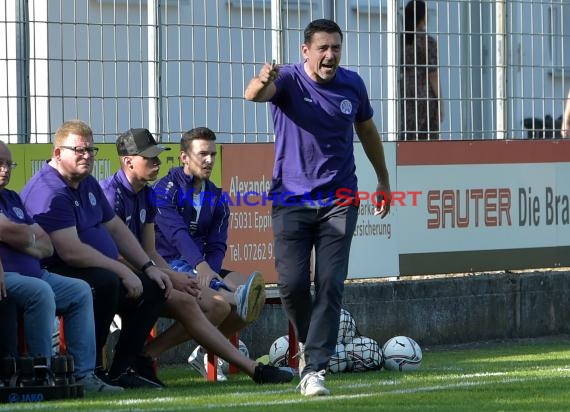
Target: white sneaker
313,384
196,360
219,372
250,297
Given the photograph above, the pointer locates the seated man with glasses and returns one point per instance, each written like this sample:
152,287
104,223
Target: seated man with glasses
8,164
81,151
40,294
68,203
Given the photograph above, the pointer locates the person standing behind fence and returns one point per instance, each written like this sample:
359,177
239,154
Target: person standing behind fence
316,106
565,132
421,108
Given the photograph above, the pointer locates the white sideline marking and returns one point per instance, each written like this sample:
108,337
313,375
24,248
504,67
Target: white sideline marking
432,388
302,399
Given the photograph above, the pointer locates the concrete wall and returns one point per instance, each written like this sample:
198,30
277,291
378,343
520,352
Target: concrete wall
436,311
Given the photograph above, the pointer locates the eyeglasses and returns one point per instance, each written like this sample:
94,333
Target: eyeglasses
7,164
81,150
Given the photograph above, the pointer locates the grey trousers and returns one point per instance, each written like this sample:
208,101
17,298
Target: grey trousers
329,229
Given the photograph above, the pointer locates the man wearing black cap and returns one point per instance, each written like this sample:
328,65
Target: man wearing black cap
88,238
129,194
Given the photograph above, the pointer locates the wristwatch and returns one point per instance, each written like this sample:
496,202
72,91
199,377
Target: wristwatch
147,265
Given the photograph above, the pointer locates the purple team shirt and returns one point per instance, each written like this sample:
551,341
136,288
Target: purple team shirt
135,209
55,205
314,131
13,260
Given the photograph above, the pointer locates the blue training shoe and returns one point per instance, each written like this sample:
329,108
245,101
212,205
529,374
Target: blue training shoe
250,297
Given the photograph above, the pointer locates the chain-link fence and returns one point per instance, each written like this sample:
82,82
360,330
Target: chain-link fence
502,66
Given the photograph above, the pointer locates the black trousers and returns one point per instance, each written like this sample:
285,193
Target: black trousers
329,229
9,321
109,298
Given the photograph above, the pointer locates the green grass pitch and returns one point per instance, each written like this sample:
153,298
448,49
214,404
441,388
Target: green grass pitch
523,375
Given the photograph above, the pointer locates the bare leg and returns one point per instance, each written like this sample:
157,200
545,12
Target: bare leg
184,308
213,308
233,323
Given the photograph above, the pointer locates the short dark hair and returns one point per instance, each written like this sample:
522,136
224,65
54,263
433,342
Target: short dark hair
198,133
320,25
414,12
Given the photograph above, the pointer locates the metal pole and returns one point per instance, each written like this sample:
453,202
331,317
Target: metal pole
153,19
329,9
392,69
501,68
22,72
276,31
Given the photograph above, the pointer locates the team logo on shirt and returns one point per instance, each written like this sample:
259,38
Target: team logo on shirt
346,106
142,215
18,212
92,199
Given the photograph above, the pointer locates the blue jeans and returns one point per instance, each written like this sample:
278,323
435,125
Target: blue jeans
40,299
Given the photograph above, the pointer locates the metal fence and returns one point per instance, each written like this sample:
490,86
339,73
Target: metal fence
170,65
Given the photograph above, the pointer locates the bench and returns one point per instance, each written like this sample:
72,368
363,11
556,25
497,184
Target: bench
271,298
23,347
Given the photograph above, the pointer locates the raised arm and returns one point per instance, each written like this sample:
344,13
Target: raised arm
261,88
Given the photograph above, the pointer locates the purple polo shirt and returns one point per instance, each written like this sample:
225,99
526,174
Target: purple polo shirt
314,132
135,209
55,205
13,260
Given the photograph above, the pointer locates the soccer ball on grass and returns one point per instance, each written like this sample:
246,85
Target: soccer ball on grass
402,353
279,351
363,354
338,362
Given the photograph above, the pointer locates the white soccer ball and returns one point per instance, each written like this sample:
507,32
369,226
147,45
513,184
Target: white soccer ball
279,351
363,354
224,365
402,353
346,327
338,362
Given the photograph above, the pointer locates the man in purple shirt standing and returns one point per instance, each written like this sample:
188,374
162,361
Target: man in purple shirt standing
316,107
128,192
40,294
87,236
